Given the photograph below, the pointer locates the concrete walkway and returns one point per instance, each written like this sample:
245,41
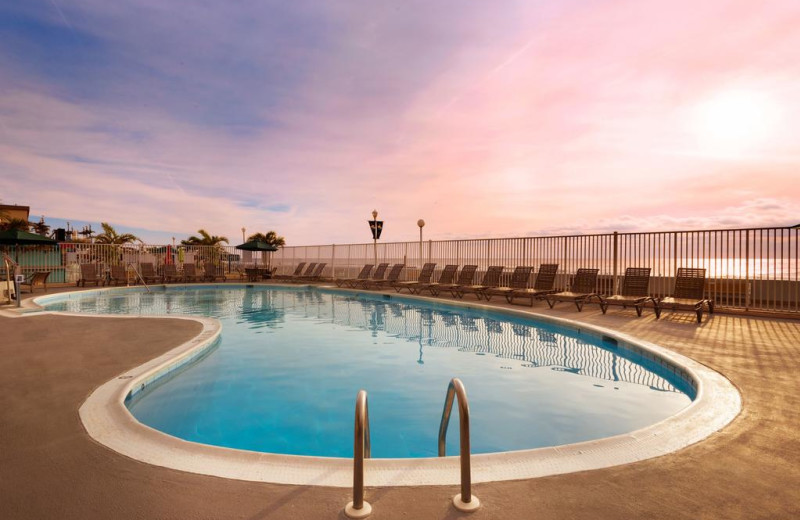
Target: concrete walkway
50,468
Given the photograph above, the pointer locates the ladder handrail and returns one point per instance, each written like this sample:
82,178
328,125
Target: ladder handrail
359,508
465,501
130,264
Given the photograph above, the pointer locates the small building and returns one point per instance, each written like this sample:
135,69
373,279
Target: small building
13,211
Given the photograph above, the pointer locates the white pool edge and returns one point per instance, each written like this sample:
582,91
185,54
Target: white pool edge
108,421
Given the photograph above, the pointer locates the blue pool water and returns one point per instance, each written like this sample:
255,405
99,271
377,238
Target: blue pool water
284,376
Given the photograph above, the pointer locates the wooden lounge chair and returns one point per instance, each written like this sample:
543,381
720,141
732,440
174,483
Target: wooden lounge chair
171,273
425,276
39,278
297,272
490,280
380,272
391,278
446,278
583,286
212,273
465,277
190,273
118,275
688,293
542,286
635,291
362,275
148,273
89,275
315,275
519,280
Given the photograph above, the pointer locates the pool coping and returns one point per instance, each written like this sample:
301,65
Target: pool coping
108,421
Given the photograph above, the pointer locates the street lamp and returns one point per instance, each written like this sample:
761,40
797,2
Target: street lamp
376,226
243,230
421,224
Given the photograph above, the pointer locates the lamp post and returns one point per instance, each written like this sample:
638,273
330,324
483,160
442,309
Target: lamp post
421,224
376,226
243,230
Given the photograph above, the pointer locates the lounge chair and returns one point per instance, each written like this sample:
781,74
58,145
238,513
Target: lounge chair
583,287
190,273
39,278
380,272
148,273
465,277
89,275
297,272
542,286
315,275
362,275
308,272
688,293
425,275
391,278
118,275
171,273
635,291
446,278
490,280
519,280
213,272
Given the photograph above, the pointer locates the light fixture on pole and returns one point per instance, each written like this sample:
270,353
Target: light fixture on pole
243,230
376,226
421,224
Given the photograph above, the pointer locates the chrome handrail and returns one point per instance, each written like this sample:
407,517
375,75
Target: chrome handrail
359,508
464,501
139,276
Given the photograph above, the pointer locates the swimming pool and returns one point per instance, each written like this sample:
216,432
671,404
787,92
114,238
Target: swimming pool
284,375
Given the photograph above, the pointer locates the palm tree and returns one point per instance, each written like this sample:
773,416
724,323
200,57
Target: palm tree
40,228
204,239
14,224
270,237
110,236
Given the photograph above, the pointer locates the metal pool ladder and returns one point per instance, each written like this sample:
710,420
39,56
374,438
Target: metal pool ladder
464,501
360,508
139,276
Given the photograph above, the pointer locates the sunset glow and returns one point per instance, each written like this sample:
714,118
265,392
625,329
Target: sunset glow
485,120
735,124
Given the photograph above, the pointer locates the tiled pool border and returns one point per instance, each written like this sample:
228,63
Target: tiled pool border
109,422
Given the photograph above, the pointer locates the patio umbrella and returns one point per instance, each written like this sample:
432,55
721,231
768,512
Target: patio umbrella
16,237
256,245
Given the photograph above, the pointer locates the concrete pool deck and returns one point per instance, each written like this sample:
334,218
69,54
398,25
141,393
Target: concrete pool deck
50,467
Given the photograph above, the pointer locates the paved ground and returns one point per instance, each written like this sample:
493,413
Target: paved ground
50,468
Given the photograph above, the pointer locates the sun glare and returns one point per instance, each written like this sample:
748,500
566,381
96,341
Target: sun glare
734,123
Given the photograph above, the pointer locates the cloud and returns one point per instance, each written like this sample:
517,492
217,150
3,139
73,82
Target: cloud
304,116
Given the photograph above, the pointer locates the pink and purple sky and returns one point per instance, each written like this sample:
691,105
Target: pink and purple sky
483,118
